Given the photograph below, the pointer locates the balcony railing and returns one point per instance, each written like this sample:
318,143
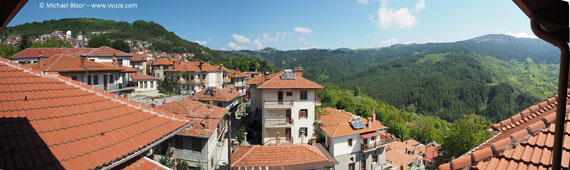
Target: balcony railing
278,122
374,145
280,104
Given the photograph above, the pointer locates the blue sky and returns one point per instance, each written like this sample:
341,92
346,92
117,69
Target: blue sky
301,24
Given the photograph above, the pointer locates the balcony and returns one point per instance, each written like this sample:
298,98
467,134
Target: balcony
281,104
227,80
278,123
240,84
374,145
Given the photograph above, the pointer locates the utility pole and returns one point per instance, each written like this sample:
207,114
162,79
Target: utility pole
229,142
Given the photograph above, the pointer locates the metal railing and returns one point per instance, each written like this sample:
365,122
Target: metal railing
374,145
278,104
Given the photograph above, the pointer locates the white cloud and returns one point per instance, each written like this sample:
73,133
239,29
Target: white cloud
234,46
388,42
201,42
420,5
303,30
301,39
267,38
401,18
257,43
362,1
241,39
521,34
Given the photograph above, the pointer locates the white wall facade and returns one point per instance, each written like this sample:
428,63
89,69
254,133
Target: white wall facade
100,59
150,85
269,95
22,60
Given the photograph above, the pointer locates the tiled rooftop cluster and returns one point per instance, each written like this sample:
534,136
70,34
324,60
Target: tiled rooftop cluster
294,156
50,121
101,51
141,162
224,94
524,141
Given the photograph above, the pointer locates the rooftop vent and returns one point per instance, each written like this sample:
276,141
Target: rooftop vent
355,117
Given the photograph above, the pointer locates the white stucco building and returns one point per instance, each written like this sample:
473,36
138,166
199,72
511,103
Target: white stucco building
286,101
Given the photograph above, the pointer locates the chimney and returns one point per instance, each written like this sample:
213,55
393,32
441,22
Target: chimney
266,76
313,141
207,121
368,121
200,65
173,64
373,113
115,62
211,104
83,60
41,60
298,72
221,67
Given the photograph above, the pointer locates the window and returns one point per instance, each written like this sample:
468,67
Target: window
178,142
196,145
289,93
92,60
304,95
151,84
351,166
120,62
89,79
111,79
145,82
221,104
303,131
73,77
303,113
375,158
140,84
95,79
349,141
373,139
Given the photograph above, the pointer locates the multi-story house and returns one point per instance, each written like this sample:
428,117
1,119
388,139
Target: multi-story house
197,143
195,76
238,81
157,66
138,62
286,102
356,143
110,77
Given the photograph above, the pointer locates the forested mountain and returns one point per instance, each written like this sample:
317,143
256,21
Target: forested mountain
492,75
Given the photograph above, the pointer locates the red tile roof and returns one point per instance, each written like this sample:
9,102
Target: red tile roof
160,61
141,76
237,74
205,117
399,159
337,123
101,51
67,63
138,57
524,141
50,121
34,52
107,51
141,162
224,95
294,156
192,66
275,82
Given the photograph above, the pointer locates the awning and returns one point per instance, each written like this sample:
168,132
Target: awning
369,134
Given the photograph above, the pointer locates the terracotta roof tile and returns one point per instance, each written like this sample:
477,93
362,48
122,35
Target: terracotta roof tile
141,76
159,61
205,117
293,156
398,159
67,63
224,94
275,82
532,148
69,126
34,52
337,123
138,57
141,162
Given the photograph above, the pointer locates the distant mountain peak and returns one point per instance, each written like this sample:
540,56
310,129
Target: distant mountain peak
501,38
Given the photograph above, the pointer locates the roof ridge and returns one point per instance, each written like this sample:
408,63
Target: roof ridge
56,60
307,147
69,82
